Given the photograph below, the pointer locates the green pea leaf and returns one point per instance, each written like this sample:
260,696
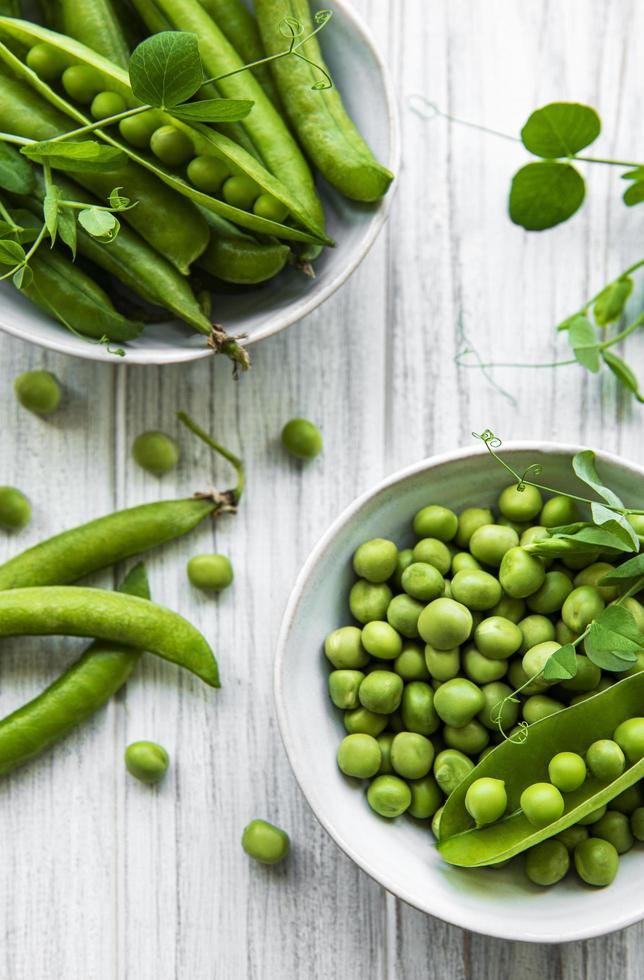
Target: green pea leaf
560,129
613,641
634,194
50,210
28,225
85,157
610,303
16,175
585,540
583,339
7,228
99,224
636,174
213,110
11,253
543,195
67,229
622,624
23,277
165,69
583,464
623,373
631,569
562,665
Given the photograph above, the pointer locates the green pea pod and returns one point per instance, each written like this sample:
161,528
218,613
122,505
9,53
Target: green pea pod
206,141
319,118
10,8
74,696
71,555
520,765
238,258
240,27
169,223
74,611
264,124
95,23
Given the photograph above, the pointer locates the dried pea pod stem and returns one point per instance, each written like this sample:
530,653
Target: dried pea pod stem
112,616
74,696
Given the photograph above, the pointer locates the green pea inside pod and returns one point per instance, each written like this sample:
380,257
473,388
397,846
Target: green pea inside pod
48,62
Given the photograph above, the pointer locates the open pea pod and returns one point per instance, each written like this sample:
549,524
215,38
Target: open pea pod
206,141
520,765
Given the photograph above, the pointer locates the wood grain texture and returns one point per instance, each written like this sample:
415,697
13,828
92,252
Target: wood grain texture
105,878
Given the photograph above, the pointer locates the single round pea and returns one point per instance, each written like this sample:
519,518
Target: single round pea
637,823
450,768
436,822
381,640
343,688
572,836
146,761
368,601
137,130
486,800
457,701
82,83
470,739
552,594
615,827
535,629
381,691
592,574
445,623
343,647
539,706
520,505
636,609
362,721
605,760
48,62
389,796
547,862
301,438
267,206
463,561
630,738
573,563
533,534
375,560
15,509
510,608
542,803
580,608
520,573
592,817
637,522
442,664
481,669
265,842
155,452
422,581
411,664
497,638
436,522
171,146
417,708
498,707
426,798
240,192
629,799
404,560
563,633
207,173
536,658
433,552
567,771
210,572
490,543
107,104
411,755
476,589
596,861
403,613
38,392
587,677
558,511
359,756
469,520
385,741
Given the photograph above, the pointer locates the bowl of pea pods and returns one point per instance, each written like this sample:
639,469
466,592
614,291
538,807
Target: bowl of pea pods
179,179
459,683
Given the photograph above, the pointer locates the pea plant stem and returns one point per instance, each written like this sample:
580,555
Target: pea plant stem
234,461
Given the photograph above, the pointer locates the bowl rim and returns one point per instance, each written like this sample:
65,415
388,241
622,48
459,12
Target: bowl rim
306,304
449,915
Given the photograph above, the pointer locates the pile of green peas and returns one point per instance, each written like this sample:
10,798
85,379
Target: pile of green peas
444,631
147,131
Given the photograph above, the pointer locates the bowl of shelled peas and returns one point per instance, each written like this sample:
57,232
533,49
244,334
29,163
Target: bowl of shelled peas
160,198
460,688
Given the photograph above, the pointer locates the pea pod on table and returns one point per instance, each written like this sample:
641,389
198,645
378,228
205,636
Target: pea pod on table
521,765
112,616
74,696
204,140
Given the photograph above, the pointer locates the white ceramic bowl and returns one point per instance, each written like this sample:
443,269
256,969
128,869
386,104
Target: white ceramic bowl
365,84
400,854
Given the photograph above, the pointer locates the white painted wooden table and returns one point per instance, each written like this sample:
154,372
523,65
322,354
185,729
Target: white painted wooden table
103,877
